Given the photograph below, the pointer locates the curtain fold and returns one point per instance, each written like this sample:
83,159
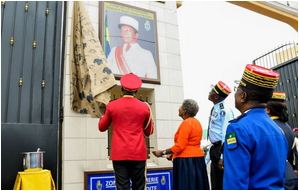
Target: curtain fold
90,77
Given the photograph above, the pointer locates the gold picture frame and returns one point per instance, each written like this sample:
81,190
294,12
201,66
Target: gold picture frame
143,58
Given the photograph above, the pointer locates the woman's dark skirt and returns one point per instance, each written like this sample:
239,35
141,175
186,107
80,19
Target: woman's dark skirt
190,174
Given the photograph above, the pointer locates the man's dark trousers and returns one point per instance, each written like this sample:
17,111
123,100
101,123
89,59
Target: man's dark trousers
130,170
216,174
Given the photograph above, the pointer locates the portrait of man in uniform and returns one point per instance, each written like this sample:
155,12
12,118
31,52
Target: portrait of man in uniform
130,41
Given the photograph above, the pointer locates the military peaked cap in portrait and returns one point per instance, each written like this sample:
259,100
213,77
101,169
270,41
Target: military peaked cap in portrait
130,82
278,96
221,89
259,79
126,20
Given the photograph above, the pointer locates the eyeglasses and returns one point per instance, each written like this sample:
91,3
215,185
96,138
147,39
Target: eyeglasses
236,89
213,92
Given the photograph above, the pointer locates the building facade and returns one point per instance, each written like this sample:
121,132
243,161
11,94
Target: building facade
36,109
84,148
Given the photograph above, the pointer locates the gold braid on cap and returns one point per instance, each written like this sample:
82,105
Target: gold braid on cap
258,80
215,90
242,83
222,89
278,96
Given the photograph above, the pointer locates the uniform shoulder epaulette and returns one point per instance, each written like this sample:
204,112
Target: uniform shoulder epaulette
221,106
237,118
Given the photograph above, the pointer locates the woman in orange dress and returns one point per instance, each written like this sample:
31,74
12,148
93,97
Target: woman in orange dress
189,168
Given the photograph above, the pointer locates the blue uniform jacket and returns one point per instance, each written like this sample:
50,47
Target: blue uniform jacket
255,153
292,163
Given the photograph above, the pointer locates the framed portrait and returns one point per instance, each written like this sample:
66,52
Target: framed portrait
129,38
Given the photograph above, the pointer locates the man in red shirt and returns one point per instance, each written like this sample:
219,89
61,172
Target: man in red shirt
132,121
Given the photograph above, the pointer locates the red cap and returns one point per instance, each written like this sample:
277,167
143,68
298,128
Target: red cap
222,89
295,129
130,82
261,71
259,79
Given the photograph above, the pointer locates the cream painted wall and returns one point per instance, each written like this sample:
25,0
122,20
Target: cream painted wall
83,146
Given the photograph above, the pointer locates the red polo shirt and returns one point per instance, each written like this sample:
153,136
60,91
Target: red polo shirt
129,117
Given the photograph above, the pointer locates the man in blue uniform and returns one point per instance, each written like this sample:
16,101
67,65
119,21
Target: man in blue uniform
221,114
255,149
